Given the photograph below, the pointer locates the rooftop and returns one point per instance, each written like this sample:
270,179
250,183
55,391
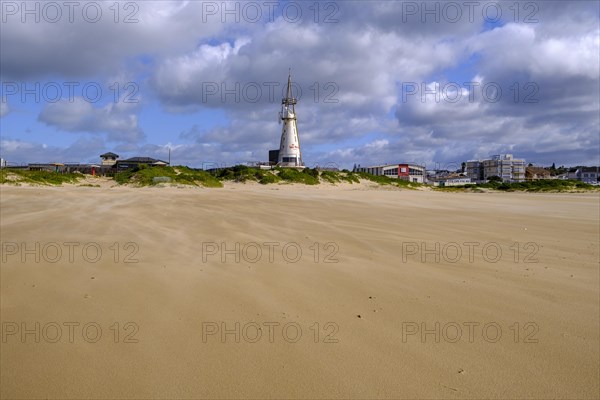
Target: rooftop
142,160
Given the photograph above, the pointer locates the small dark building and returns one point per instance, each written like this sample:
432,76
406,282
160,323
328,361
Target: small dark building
273,157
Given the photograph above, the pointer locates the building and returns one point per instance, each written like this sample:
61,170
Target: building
407,172
446,178
50,167
461,181
273,157
289,154
503,165
438,175
109,158
589,175
135,161
537,173
107,167
474,170
69,168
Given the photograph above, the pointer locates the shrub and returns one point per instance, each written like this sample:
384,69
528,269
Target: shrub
350,177
146,176
330,176
312,172
269,178
239,173
293,175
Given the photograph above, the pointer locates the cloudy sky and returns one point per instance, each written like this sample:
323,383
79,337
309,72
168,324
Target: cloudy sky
378,81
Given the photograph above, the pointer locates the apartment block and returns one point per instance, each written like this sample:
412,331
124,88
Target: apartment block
505,166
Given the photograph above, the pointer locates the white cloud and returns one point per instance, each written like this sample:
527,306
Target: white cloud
576,56
118,120
84,149
81,47
4,109
518,48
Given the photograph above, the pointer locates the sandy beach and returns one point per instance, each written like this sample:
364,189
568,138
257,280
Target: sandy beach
286,291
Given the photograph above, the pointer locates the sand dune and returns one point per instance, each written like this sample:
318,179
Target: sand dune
523,293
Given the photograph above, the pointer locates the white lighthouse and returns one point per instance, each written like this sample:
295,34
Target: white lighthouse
289,147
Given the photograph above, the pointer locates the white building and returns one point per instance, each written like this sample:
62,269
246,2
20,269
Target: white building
589,175
407,172
457,181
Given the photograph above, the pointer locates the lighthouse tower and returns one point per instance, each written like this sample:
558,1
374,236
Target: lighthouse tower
289,147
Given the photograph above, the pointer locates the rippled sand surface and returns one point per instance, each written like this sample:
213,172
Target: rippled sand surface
297,292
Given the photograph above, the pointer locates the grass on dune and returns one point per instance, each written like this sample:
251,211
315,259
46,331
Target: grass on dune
143,175
306,176
243,173
18,176
542,185
386,180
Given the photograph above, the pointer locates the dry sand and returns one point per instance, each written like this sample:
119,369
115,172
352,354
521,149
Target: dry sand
172,296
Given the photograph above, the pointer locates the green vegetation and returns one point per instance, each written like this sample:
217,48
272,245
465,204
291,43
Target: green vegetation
269,178
386,180
350,177
546,185
143,175
18,176
554,170
330,176
243,173
307,176
542,185
337,177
